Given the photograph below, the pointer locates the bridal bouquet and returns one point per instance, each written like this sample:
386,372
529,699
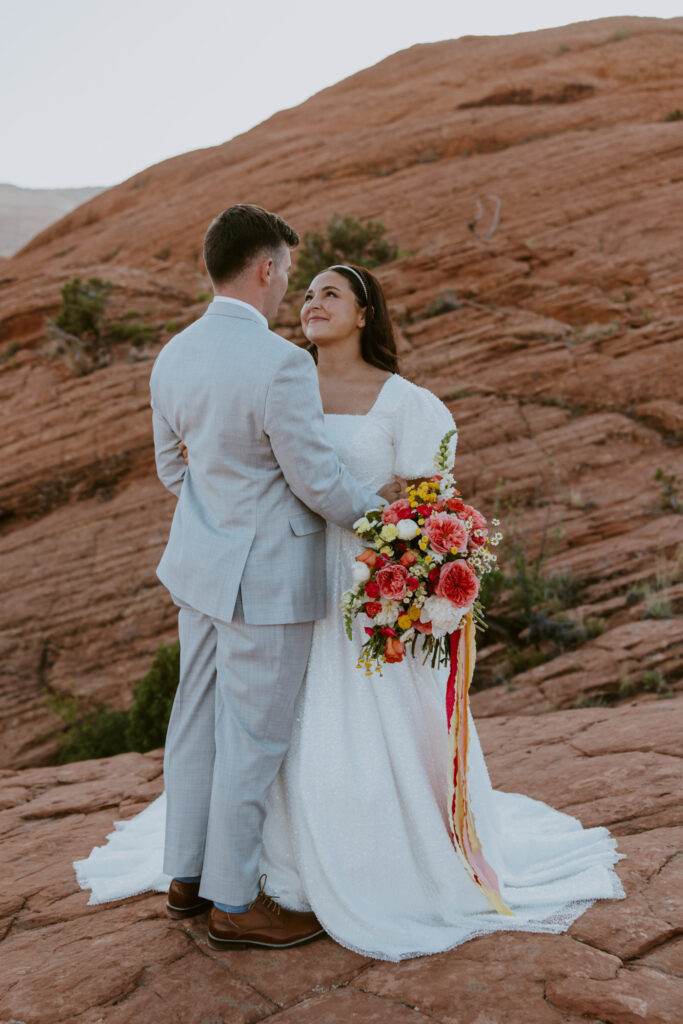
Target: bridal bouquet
418,578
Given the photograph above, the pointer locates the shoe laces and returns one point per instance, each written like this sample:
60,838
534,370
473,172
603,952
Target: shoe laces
264,898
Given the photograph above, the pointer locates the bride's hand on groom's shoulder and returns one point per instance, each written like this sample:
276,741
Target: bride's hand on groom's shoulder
182,448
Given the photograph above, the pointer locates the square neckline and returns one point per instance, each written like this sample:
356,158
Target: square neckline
362,415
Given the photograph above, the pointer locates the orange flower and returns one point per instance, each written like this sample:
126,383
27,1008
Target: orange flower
408,558
369,557
394,650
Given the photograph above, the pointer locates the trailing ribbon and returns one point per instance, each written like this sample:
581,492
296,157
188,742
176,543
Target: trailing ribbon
461,818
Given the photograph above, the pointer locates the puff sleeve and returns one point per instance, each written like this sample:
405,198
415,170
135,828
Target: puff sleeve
420,422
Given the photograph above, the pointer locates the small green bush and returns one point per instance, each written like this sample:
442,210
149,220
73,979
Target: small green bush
137,334
153,700
103,732
83,307
675,115
445,302
346,241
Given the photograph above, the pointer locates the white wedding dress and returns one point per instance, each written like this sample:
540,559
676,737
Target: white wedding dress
357,825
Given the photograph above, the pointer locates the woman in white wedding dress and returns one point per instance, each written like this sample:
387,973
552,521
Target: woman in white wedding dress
357,823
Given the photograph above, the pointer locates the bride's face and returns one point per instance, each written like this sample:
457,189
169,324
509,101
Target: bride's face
330,312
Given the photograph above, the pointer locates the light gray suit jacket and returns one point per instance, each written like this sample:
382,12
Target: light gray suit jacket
262,476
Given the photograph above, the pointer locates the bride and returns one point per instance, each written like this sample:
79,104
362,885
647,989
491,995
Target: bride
357,827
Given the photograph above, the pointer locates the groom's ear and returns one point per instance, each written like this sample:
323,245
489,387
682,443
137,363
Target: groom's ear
265,268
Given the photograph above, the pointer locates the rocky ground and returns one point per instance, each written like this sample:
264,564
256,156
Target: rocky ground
620,963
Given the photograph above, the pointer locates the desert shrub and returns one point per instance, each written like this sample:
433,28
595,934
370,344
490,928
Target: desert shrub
104,732
675,115
203,297
98,733
153,700
669,486
650,681
83,307
9,351
137,334
345,240
445,302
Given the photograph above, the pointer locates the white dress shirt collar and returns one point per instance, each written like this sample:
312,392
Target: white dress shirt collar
246,305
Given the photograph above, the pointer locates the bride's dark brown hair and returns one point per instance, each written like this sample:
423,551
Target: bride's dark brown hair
377,342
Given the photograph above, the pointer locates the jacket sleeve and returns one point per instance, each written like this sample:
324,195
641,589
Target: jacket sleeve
295,426
170,464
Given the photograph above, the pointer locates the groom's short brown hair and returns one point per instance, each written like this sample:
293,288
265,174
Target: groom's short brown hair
240,233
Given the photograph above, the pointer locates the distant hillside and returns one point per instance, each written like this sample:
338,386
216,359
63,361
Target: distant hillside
26,211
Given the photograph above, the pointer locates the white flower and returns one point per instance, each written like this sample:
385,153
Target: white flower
407,529
390,612
361,572
444,616
388,532
408,635
361,525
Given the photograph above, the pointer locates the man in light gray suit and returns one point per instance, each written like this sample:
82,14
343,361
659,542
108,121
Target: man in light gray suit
245,563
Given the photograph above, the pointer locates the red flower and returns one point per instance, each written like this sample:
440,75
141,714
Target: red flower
387,631
424,510
391,580
398,510
434,574
369,631
400,546
394,650
457,583
373,608
422,627
408,559
455,505
413,583
445,532
477,538
369,557
371,589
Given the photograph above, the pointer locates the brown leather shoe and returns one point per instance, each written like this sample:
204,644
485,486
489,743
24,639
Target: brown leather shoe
265,924
184,900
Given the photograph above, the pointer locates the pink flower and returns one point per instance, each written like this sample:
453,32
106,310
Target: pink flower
422,627
445,532
398,510
392,582
457,583
478,520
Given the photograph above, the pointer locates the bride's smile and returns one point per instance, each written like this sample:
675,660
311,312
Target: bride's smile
330,312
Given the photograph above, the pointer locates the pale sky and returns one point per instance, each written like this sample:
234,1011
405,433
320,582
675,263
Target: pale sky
93,91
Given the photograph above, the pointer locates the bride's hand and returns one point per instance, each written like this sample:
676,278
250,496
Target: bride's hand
393,491
182,447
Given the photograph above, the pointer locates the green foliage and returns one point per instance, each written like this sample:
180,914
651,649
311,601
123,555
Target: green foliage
650,681
203,297
103,732
675,115
153,700
10,350
137,334
445,302
83,307
346,241
669,486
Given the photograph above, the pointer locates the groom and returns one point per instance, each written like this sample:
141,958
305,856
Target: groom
245,563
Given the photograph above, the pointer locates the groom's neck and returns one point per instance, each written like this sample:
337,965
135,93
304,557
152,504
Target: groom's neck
253,296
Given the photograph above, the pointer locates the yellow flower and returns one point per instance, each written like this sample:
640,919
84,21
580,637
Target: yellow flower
420,522
428,558
386,550
454,551
414,613
423,544
389,532
404,622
